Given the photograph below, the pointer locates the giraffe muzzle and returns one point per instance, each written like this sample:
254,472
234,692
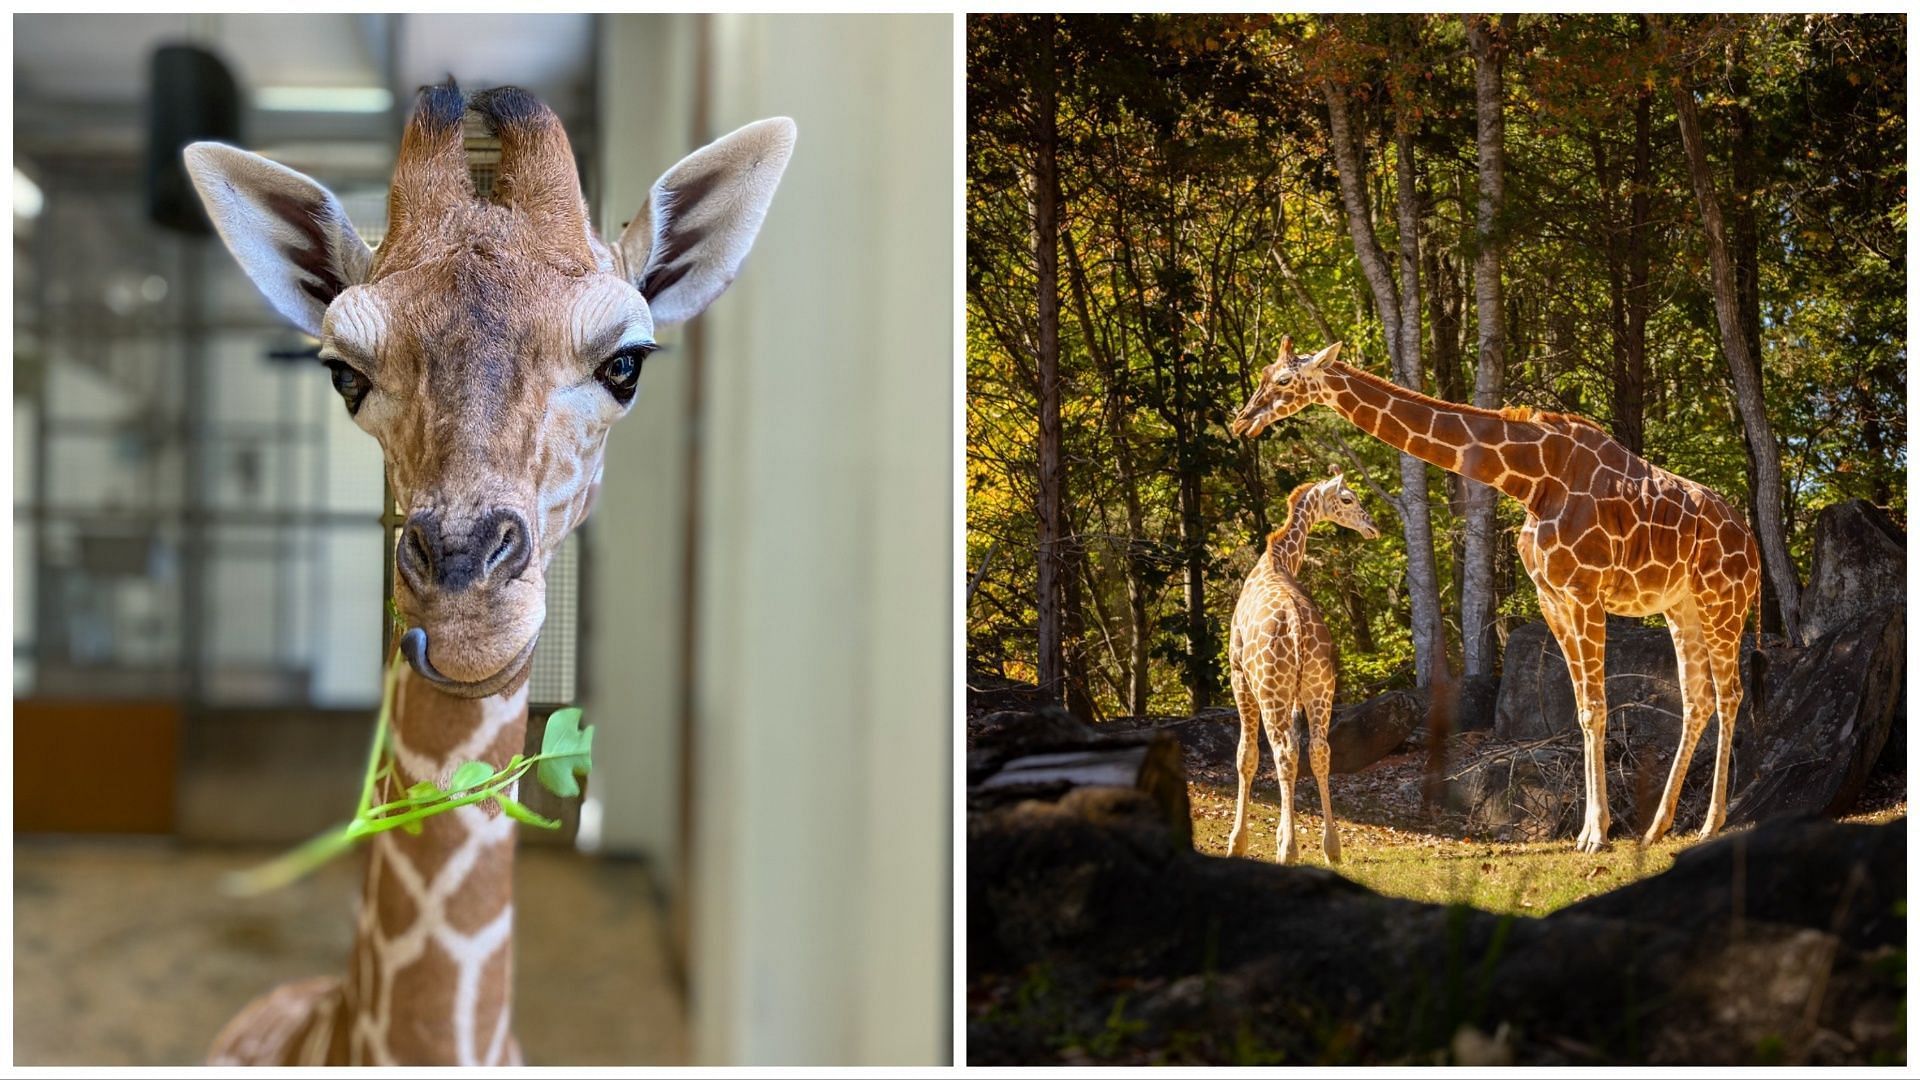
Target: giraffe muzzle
413,646
471,587
1253,419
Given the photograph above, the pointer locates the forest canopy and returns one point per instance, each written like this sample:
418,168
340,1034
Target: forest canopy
1154,202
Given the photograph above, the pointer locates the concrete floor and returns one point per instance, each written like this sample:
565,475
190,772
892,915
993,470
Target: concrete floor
126,953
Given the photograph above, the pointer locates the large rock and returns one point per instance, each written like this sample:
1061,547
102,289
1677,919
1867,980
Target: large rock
1093,938
1795,871
1476,702
1536,694
1859,563
1360,735
1364,733
1048,755
1825,718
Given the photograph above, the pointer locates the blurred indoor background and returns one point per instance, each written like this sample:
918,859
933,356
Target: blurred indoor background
757,617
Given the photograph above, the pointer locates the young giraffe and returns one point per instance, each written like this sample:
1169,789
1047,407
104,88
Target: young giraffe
1605,532
1283,661
488,345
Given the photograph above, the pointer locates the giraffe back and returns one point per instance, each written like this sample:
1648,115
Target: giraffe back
1280,643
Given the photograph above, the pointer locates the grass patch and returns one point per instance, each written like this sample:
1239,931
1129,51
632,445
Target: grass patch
1397,858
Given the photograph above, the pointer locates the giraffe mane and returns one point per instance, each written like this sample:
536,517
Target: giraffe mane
1522,414
1293,507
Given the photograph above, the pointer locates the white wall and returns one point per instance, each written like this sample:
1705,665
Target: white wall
825,694
635,542
821,872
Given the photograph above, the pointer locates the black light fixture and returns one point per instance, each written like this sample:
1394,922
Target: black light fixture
191,96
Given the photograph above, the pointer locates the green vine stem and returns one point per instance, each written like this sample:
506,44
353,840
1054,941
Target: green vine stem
565,752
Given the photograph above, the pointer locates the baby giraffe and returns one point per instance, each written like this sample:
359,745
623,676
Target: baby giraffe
1283,660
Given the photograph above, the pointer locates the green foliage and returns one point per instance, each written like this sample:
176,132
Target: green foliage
1201,223
566,750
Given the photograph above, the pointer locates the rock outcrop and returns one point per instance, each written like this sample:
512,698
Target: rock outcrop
1859,564
1825,718
1094,936
1536,694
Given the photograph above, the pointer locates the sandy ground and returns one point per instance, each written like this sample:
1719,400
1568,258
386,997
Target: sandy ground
125,953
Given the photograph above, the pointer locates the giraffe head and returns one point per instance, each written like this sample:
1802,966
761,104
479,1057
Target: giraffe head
1287,385
1332,500
491,341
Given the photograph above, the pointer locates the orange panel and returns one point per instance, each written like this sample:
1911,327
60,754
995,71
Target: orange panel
94,766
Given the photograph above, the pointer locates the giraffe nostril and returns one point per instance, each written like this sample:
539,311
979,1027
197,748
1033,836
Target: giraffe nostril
418,558
510,550
419,542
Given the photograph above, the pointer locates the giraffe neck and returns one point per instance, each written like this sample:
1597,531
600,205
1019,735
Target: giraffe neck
431,977
1458,438
1287,545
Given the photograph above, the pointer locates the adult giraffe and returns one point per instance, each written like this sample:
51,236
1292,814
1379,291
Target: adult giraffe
489,345
1605,532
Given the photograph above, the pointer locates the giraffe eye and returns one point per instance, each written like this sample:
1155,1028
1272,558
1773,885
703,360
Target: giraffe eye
1346,496
351,385
620,373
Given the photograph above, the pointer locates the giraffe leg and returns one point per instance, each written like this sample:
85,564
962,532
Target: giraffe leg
1696,687
1581,626
1248,759
1319,718
1723,650
1286,762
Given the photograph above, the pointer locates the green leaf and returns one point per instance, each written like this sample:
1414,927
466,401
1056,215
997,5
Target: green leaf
519,812
470,775
423,792
411,828
565,750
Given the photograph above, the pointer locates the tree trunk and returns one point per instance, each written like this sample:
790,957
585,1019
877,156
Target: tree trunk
1073,620
1744,241
1399,311
1052,481
1446,310
1113,369
1488,45
1734,341
1358,618
1630,372
1201,677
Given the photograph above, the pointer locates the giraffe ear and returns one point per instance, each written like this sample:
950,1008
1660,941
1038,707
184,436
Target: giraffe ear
1331,352
288,233
701,218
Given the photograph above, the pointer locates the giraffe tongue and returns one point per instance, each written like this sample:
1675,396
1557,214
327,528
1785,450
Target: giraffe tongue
413,645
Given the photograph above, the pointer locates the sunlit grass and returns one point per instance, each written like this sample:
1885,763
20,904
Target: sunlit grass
1507,878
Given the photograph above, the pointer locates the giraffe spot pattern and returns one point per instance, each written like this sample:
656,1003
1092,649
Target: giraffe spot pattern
1605,531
